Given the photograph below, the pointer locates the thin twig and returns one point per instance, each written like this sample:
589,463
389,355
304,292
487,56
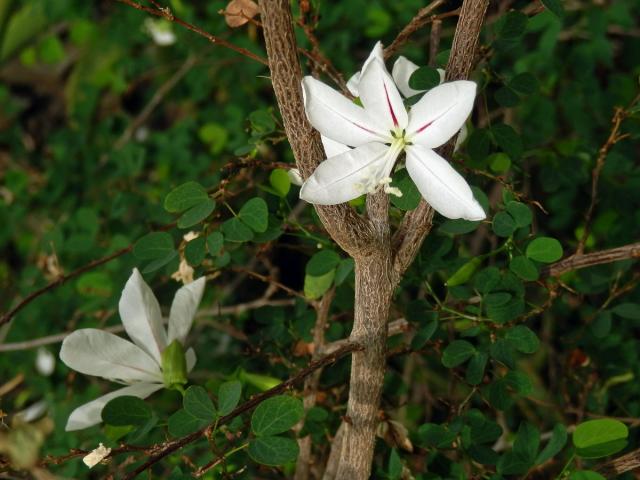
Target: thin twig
577,261
166,13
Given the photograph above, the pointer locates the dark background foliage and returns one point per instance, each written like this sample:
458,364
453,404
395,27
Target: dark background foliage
98,123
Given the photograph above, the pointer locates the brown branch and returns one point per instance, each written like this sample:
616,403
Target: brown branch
577,261
60,280
417,22
165,12
417,224
614,137
161,451
626,463
351,231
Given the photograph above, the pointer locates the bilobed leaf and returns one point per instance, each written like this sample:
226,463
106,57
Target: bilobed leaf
255,214
628,310
410,195
273,450
185,196
315,287
514,25
236,231
276,415
475,368
194,251
197,213
228,396
197,403
126,410
600,438
322,262
512,463
457,352
524,83
215,242
523,339
524,268
527,442
520,212
153,246
503,224
544,249
508,140
182,423
424,334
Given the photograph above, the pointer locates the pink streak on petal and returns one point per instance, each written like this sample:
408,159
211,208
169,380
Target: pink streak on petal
393,115
425,126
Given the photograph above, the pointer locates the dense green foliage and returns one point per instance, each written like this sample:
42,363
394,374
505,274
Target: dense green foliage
109,140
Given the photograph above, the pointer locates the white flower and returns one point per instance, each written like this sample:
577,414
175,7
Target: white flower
160,31
381,130
96,456
148,364
45,362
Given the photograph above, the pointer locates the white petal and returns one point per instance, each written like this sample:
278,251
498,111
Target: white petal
354,82
103,354
442,73
440,113
344,177
462,136
380,97
337,117
333,148
89,414
401,73
441,186
295,177
190,358
141,316
183,309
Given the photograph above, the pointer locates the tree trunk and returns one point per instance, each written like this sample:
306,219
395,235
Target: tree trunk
374,290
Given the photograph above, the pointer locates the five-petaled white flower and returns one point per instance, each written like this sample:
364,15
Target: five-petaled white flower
363,143
154,360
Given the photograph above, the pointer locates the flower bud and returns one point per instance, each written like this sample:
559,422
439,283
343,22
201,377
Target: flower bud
174,365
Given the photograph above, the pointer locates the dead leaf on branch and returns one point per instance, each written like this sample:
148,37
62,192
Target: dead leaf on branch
239,12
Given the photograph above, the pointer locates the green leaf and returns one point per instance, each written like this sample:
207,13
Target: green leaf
457,352
262,122
506,97
315,287
255,214
424,78
475,368
513,26
228,396
424,334
556,443
434,435
519,382
478,144
586,474
95,284
527,442
544,249
520,212
182,423
153,246
185,196
458,226
280,181
503,224
508,140
196,402
276,415
410,195
194,251
215,242
524,83
512,463
273,450
600,438
196,214
524,268
395,465
503,352
464,273
499,162
601,325
126,410
345,267
236,231
630,311
523,339
555,7
322,263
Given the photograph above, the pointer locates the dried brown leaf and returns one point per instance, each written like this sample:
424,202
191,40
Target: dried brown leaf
239,12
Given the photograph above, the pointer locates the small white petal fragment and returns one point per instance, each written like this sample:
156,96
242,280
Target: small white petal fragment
183,309
96,456
184,274
141,316
346,176
295,177
337,117
45,362
440,113
441,186
401,72
161,31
